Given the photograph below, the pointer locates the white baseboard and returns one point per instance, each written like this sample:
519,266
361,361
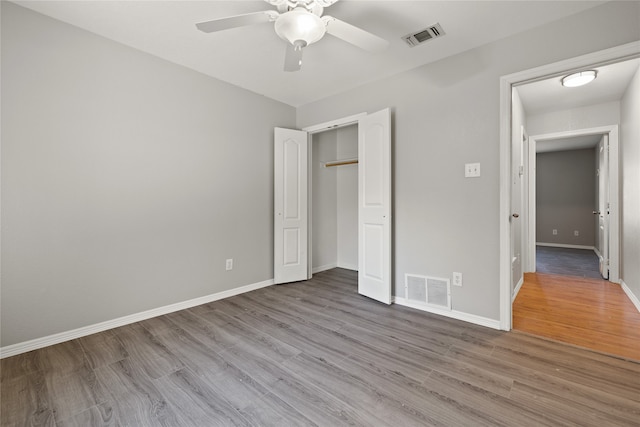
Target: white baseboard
562,245
23,347
517,289
458,315
348,266
597,252
325,267
634,299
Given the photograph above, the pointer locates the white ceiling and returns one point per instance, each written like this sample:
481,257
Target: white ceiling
547,96
252,57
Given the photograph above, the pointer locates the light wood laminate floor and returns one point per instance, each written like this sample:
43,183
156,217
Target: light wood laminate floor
591,313
315,353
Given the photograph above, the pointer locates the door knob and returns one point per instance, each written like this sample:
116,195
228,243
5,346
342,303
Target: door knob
515,215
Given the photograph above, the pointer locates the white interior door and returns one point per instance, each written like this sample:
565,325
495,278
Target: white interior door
290,205
603,205
374,206
517,212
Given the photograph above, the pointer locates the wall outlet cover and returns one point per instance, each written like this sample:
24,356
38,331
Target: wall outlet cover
472,170
457,279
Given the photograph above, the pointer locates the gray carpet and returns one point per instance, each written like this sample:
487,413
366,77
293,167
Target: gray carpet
567,262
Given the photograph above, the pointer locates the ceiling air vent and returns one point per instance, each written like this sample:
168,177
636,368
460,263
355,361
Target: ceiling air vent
414,39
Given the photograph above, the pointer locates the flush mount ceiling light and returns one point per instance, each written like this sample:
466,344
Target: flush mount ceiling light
579,79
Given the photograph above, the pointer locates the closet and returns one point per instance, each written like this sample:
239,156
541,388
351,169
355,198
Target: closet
330,211
334,199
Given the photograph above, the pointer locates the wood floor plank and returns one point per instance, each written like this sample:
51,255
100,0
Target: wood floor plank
366,399
436,409
313,341
19,365
96,416
74,392
25,400
270,410
316,353
489,408
194,402
102,349
555,404
246,336
147,351
135,398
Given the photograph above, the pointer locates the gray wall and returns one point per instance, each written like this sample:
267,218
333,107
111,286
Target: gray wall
589,116
566,197
630,155
446,114
126,180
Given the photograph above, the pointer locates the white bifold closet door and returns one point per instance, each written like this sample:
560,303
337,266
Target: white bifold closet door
291,221
374,206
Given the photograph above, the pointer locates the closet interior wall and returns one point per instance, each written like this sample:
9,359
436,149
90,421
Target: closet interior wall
334,225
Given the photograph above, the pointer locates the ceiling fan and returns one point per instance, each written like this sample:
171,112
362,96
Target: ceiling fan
300,23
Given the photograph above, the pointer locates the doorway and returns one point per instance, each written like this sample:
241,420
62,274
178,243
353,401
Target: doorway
507,83
573,195
292,187
334,199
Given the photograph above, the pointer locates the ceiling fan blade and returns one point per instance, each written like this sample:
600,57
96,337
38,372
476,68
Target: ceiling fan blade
293,57
354,35
238,21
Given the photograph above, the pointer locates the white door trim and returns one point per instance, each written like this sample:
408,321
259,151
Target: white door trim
614,189
615,54
333,124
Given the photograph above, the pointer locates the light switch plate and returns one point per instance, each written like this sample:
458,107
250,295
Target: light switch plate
472,170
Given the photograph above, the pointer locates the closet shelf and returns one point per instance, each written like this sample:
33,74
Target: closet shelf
341,163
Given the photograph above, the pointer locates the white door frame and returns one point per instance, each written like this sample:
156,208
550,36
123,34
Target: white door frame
614,191
615,54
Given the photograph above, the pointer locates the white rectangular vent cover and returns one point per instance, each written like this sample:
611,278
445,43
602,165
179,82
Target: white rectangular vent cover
430,290
429,33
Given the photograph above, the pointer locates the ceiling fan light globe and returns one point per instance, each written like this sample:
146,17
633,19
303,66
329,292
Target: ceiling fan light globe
300,25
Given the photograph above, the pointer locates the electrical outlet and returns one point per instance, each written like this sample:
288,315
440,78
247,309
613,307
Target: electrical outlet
472,170
576,233
457,279
229,264
554,232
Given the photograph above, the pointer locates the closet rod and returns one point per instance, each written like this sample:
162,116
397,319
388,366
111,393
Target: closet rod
341,163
